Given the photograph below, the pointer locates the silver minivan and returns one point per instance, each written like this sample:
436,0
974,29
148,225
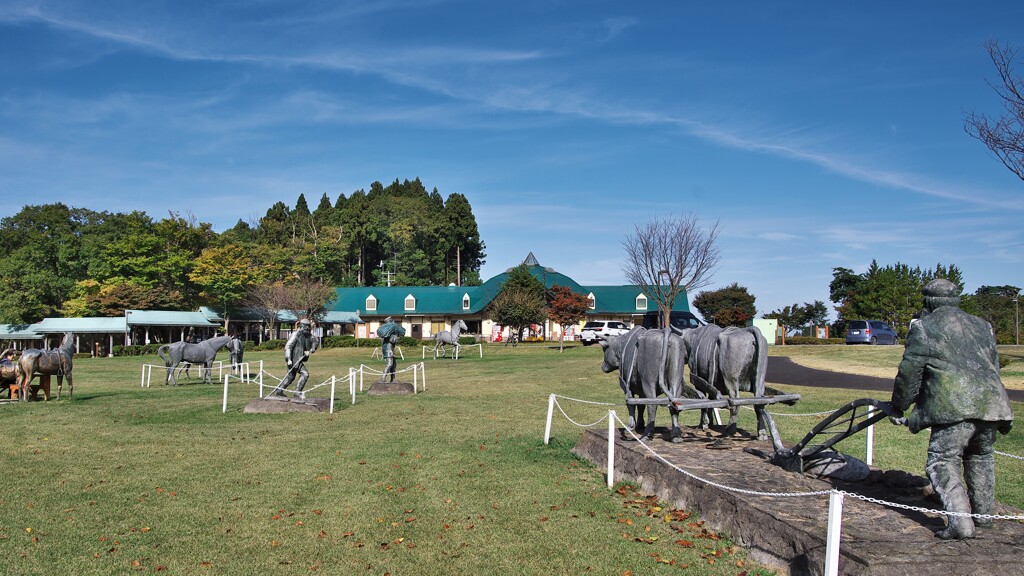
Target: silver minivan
870,332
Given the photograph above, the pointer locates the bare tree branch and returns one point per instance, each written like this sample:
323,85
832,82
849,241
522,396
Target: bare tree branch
666,256
1004,135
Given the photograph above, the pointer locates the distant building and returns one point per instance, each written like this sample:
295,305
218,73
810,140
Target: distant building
425,310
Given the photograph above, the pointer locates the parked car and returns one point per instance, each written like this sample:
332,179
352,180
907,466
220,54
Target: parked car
676,318
870,332
597,329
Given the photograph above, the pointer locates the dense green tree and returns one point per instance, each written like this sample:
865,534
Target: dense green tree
464,251
999,305
517,309
890,293
729,306
225,274
800,316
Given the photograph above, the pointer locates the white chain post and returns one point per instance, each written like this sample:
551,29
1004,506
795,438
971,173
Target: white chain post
415,369
334,381
423,369
835,530
224,408
869,448
352,382
260,378
551,410
611,448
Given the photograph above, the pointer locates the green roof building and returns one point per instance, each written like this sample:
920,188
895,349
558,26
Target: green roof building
425,310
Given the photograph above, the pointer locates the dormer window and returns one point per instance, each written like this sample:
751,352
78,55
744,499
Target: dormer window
371,303
410,302
591,301
641,302
465,301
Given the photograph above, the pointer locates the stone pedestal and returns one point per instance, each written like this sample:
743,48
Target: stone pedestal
385,388
789,533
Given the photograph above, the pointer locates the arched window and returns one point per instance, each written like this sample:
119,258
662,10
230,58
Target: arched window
465,301
410,302
641,302
371,303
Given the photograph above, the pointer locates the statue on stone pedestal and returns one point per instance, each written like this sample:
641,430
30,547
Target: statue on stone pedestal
389,333
301,344
950,372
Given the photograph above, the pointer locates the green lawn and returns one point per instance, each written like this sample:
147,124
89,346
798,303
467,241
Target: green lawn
456,480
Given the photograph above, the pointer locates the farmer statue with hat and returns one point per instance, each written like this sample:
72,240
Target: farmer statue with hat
301,344
950,372
389,333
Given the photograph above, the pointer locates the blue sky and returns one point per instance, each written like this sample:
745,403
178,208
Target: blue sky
817,134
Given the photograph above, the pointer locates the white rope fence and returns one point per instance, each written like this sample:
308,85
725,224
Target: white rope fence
478,346
218,365
419,373
836,496
378,355
333,382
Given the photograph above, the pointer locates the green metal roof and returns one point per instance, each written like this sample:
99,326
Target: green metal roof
81,325
167,318
252,315
436,300
447,300
622,300
18,332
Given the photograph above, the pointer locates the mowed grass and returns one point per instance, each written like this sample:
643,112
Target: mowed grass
455,480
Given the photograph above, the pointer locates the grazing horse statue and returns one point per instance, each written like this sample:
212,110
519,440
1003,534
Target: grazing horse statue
202,353
445,337
650,363
728,362
57,363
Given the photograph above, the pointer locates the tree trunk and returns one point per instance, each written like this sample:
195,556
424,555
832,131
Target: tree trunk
458,265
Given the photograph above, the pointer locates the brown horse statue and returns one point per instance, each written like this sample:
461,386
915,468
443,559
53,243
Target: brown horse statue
8,371
48,363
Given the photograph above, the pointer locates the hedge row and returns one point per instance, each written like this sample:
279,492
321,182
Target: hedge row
797,340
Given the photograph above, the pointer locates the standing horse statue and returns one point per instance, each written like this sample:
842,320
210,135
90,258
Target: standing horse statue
8,371
57,363
452,337
202,353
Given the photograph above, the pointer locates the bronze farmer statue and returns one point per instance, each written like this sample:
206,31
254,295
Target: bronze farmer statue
301,344
389,333
950,372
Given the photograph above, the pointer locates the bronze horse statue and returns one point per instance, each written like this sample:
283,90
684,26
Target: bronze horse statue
8,370
56,362
202,353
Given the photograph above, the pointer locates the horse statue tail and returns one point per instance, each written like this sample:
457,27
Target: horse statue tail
161,351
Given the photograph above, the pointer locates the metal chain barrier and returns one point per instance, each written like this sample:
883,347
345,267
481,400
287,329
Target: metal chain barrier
716,484
1007,455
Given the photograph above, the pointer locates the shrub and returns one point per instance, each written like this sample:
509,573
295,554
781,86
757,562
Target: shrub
344,341
276,344
798,340
136,350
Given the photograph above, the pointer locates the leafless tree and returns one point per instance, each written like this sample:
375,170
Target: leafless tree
1003,135
268,300
666,256
309,298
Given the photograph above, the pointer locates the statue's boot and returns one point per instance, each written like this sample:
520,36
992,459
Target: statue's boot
945,478
980,474
303,377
